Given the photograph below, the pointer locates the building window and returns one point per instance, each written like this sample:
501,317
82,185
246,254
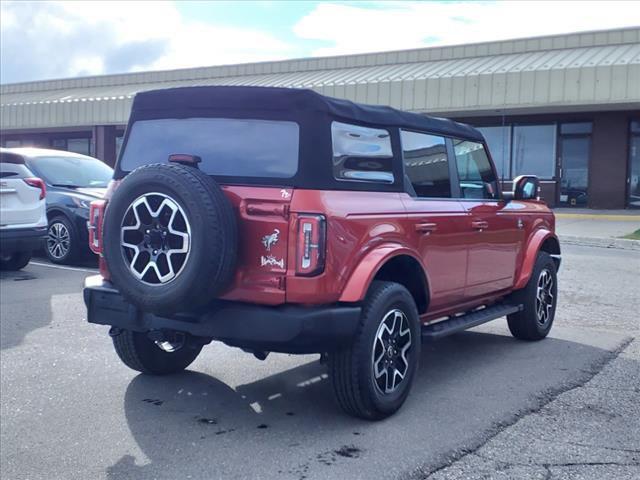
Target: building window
426,165
582,128
12,143
79,145
534,151
59,143
119,140
361,153
499,142
76,145
634,166
477,179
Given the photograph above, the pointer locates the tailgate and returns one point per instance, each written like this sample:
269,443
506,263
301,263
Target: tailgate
263,237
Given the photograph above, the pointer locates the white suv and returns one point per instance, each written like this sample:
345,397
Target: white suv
23,216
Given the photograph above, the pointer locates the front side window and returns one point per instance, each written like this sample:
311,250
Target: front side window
426,165
361,153
227,146
476,176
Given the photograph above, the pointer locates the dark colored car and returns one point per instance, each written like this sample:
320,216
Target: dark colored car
73,181
280,220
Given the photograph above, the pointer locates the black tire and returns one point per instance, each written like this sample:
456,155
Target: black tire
529,324
138,352
207,268
15,261
58,254
352,369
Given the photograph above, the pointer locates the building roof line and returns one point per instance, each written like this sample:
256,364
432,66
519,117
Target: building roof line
418,55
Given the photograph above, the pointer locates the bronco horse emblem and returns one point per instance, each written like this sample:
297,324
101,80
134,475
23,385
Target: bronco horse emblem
270,240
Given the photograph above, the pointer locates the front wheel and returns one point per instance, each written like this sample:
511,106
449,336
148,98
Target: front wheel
62,241
138,352
373,376
539,299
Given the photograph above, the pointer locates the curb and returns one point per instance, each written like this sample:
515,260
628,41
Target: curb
619,243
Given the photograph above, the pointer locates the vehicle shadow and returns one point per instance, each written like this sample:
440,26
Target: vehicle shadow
35,287
194,424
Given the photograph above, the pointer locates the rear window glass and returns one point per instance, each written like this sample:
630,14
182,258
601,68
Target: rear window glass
361,153
227,147
72,172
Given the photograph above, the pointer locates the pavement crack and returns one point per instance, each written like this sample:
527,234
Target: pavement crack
615,449
544,399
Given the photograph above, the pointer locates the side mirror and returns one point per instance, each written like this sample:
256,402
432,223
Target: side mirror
526,187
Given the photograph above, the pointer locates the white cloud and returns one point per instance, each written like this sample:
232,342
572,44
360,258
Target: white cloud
71,38
383,26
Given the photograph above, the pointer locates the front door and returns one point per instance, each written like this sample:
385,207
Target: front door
574,170
437,222
495,232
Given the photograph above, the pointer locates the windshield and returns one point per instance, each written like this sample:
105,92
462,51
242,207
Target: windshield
73,172
227,146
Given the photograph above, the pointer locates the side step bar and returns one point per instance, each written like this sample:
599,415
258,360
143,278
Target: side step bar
438,330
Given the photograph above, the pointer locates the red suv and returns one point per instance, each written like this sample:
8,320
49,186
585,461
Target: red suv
280,220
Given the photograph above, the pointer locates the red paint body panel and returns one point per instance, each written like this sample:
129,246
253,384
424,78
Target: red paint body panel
473,252
465,265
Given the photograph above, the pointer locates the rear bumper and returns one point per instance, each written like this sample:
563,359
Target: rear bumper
22,239
287,329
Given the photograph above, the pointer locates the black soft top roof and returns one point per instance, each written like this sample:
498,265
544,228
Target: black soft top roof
187,101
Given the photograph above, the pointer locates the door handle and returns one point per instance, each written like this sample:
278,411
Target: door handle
426,228
479,225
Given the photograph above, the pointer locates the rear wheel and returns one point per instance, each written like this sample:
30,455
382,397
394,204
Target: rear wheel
62,241
373,376
538,299
14,261
138,352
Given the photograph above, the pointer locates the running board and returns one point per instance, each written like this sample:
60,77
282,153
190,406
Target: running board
438,330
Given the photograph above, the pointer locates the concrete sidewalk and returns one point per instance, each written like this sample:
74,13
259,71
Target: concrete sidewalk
598,227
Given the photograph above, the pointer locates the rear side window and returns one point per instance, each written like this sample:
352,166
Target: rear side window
425,164
12,166
361,153
227,146
477,179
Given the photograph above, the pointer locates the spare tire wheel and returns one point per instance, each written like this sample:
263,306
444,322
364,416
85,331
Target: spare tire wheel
170,238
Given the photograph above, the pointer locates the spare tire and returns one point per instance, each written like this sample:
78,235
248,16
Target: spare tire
170,238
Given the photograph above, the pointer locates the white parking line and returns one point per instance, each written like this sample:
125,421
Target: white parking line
75,269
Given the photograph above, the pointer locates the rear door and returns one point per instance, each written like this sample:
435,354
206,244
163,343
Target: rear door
20,204
495,232
438,220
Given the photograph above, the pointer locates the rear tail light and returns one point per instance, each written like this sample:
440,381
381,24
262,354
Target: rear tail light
37,183
96,219
311,245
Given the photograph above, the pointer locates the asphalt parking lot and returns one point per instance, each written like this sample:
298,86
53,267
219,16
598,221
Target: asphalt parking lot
483,406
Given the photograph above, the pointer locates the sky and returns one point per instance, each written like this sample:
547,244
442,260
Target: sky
61,39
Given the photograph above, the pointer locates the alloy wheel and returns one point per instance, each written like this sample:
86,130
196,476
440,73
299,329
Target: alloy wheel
155,237
58,240
390,349
544,297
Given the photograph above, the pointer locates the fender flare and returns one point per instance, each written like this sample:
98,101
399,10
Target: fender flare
530,255
358,284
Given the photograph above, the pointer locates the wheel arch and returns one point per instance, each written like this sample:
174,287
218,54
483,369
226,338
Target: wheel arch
392,263
540,241
57,212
